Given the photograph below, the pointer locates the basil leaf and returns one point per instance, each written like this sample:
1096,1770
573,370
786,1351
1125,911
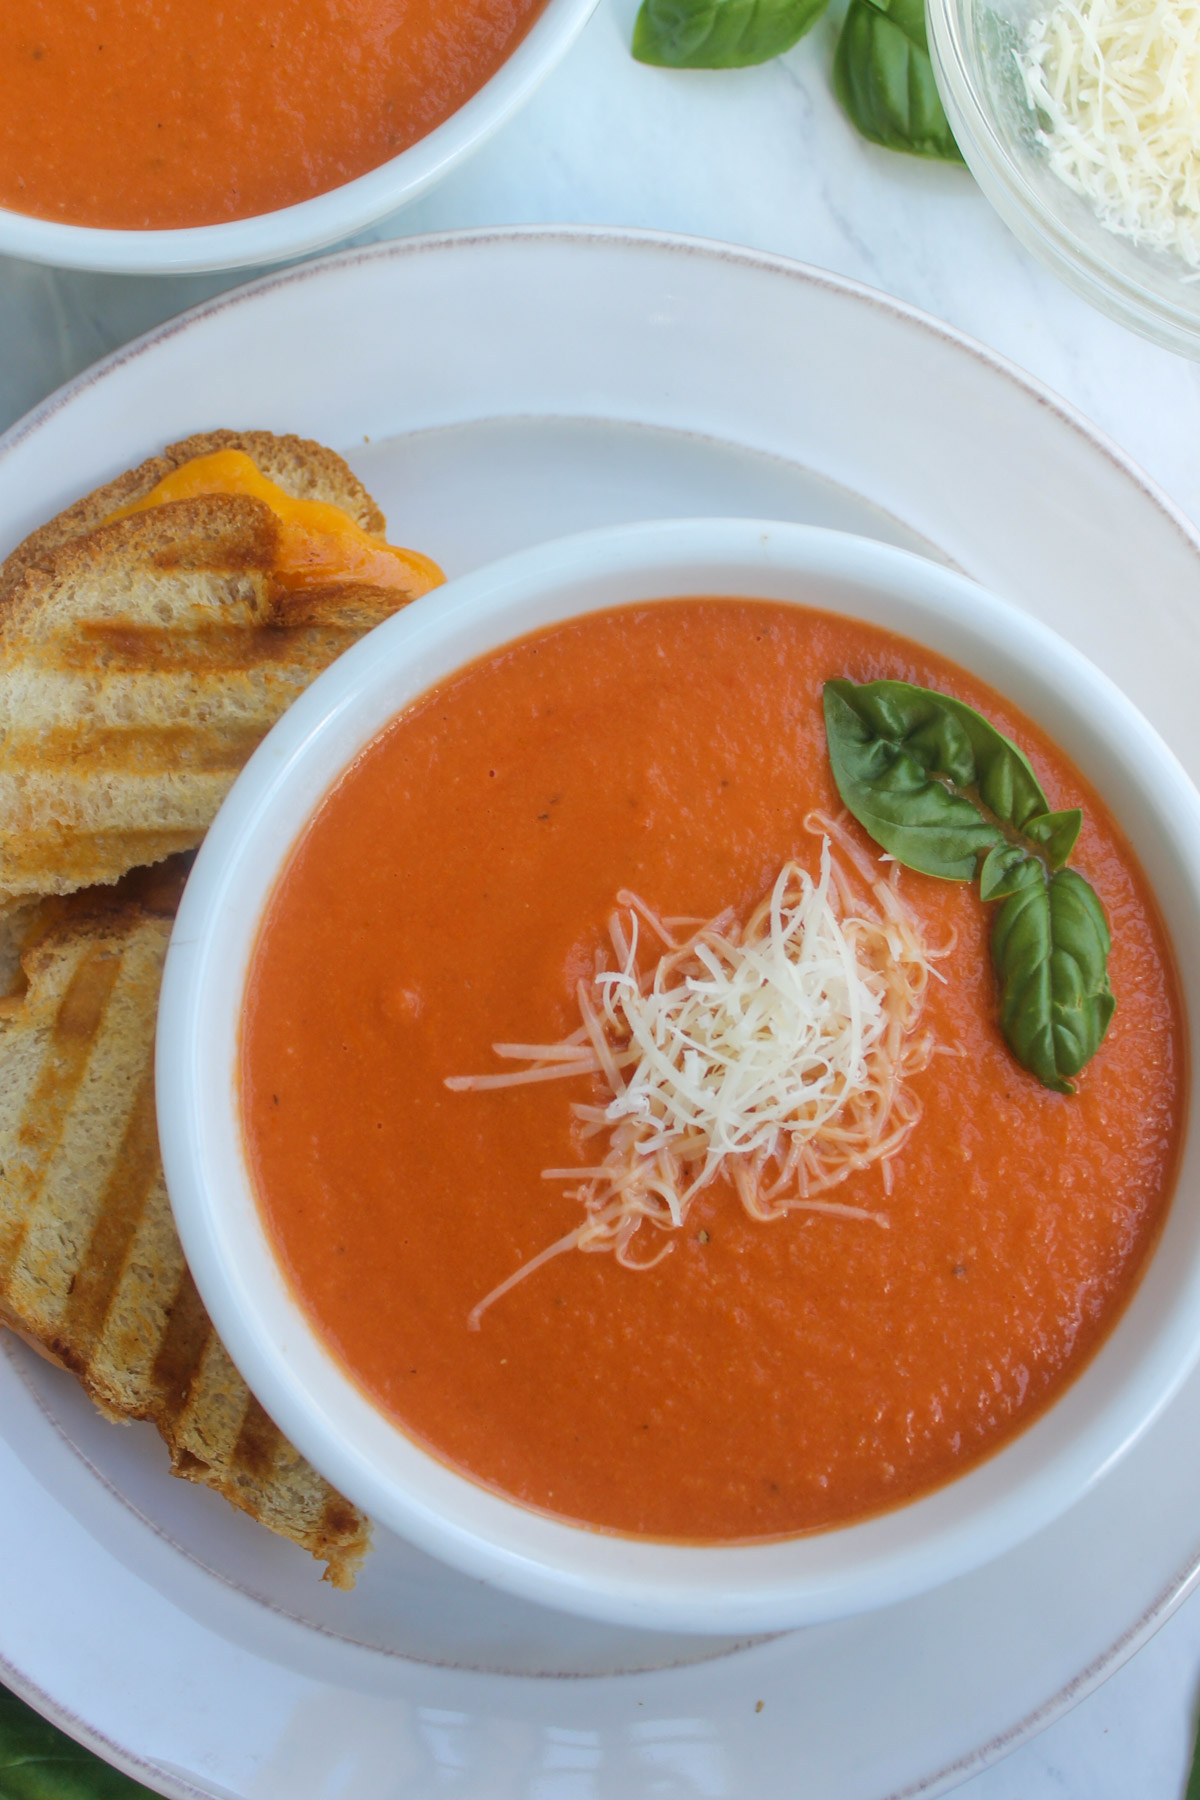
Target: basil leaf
1054,834
1193,1787
944,792
720,34
921,772
39,1762
883,78
1006,870
1009,866
1050,946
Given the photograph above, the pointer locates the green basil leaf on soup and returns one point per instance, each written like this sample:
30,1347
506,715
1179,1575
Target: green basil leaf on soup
720,34
903,760
945,793
943,784
1054,834
1050,946
1007,868
883,78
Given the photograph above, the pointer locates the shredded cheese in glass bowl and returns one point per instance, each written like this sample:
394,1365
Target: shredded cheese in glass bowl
1080,120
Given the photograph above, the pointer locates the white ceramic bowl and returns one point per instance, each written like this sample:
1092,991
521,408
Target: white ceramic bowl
327,218
972,44
744,1588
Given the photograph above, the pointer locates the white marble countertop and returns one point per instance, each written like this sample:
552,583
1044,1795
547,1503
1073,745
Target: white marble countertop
763,157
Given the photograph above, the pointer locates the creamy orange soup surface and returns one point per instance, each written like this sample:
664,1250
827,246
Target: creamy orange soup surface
762,1379
140,114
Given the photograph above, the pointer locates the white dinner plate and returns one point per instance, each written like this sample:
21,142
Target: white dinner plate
496,389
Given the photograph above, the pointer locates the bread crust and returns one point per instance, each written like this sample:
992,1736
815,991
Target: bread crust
302,467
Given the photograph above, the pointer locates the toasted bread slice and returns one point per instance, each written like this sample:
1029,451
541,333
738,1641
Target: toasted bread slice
142,660
302,468
91,1269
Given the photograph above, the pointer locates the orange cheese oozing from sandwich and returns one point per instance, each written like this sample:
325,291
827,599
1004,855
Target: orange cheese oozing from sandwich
318,542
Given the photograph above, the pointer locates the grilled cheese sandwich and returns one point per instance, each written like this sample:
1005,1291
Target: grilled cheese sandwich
150,635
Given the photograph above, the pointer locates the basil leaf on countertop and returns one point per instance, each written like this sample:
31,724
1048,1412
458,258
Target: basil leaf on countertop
1050,946
883,78
720,34
39,1762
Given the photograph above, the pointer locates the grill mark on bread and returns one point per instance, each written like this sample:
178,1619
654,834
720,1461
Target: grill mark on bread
184,1342
258,1442
99,1277
120,646
148,750
83,1004
210,1423
72,1036
203,650
337,1519
128,1345
252,552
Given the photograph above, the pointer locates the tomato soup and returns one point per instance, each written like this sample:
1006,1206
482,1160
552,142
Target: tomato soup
141,114
764,1378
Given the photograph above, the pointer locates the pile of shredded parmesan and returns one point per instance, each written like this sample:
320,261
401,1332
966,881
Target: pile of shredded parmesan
1119,83
776,1054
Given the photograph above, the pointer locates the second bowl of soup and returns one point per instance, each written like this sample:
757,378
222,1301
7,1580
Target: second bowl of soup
157,138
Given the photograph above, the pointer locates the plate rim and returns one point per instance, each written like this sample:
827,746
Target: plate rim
639,237
939,1781
151,1775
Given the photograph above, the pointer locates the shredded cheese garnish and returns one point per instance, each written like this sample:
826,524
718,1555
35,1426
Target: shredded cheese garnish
776,1054
1119,83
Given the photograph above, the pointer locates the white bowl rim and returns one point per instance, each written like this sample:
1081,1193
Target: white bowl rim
725,1588
327,218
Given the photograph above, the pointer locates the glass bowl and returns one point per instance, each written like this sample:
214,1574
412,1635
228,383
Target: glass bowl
973,44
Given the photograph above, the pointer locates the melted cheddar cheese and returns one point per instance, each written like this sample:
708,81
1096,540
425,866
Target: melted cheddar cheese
318,542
